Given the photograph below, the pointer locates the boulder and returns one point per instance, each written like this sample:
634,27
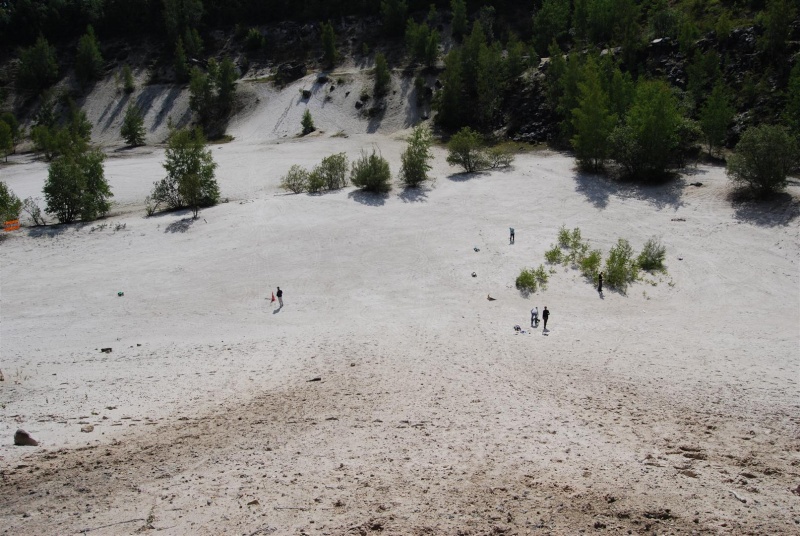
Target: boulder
24,439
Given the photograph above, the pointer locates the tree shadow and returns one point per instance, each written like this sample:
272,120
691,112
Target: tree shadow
180,226
598,189
414,194
368,198
775,210
50,231
466,176
376,114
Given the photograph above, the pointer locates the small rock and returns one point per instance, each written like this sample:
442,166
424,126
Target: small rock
254,502
105,350
317,379
689,473
87,428
24,439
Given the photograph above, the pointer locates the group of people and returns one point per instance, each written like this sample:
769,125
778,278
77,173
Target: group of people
535,317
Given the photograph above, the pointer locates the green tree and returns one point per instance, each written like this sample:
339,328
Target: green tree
776,20
394,14
465,149
193,43
76,187
371,173
515,57
181,65
88,60
490,81
763,158
226,86
133,126
580,19
644,144
16,133
201,96
38,68
6,140
295,180
10,205
328,45
180,15
449,101
702,74
127,79
791,114
190,180
459,21
592,120
715,116
307,123
382,75
415,159
332,171
550,22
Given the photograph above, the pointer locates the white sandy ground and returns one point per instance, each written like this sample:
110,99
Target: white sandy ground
672,410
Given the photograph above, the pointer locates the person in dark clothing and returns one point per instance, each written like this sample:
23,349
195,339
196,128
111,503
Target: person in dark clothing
600,283
545,316
279,294
511,235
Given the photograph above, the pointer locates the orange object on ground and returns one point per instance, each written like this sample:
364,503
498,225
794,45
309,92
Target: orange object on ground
11,225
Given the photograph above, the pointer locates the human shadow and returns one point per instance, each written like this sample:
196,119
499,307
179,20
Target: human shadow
414,194
180,226
598,189
278,310
775,210
372,199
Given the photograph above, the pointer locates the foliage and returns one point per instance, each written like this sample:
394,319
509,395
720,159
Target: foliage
550,22
371,173
715,116
31,207
394,14
530,280
449,100
10,205
422,42
180,15
254,40
500,156
6,140
190,180
212,93
16,133
703,73
415,159
791,114
382,75
133,126
776,20
763,158
38,68
459,23
620,268
295,180
652,256
76,187
307,123
88,60
332,171
328,45
554,255
180,64
592,120
127,79
316,181
465,150
590,264
564,236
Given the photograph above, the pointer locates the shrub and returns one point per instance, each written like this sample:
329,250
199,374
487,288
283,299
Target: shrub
253,40
500,156
541,277
6,139
554,255
133,126
563,236
10,205
295,180
415,166
38,68
621,268
328,45
76,187
526,281
31,207
382,75
333,170
464,149
88,61
652,256
371,173
763,158
590,264
307,123
316,181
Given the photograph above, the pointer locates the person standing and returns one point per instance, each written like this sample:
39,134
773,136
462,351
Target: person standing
279,294
534,317
545,316
600,283
511,235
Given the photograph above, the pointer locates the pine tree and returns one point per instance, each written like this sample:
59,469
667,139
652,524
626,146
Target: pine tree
791,114
89,61
592,121
459,22
415,166
133,126
382,75
449,100
307,123
328,45
181,65
715,116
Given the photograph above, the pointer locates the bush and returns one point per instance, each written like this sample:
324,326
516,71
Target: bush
31,207
127,79
621,268
763,158
415,166
541,277
316,181
253,40
333,171
500,156
554,255
526,281
307,123
590,264
382,75
295,180
329,53
6,139
371,173
88,61
464,149
563,236
10,205
652,256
